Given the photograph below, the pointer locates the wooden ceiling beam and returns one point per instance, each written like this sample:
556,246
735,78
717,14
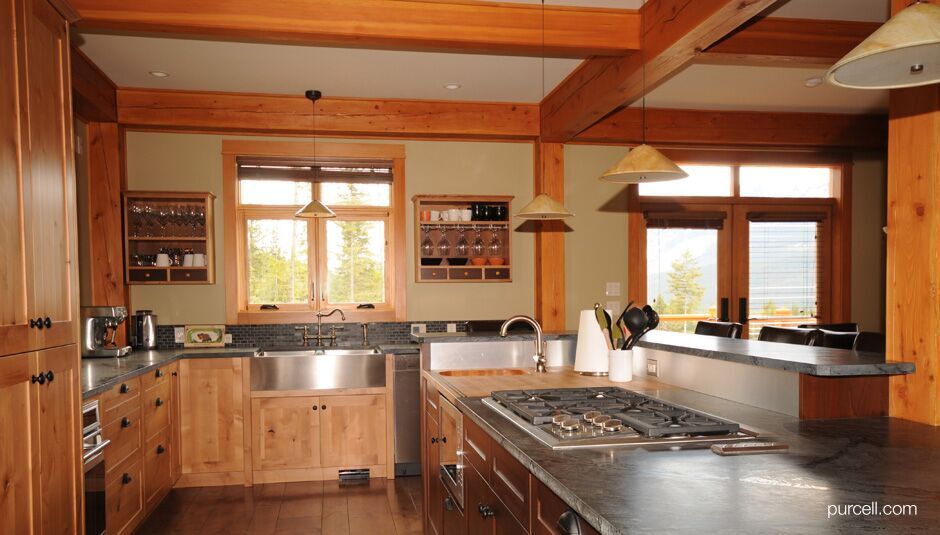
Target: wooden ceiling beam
788,42
704,128
674,32
454,26
293,115
94,95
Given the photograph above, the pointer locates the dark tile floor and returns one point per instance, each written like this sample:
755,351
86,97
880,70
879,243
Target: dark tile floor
376,507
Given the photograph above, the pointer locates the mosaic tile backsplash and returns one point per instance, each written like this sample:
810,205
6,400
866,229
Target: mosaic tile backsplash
347,334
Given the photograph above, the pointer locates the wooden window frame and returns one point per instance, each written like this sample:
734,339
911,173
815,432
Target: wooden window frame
839,205
236,299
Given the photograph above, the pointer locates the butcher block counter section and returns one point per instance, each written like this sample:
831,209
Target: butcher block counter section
692,490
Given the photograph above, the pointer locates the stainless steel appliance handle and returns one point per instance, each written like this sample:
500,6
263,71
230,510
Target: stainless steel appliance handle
89,456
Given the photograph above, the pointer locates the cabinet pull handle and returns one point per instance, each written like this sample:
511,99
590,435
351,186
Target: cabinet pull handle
569,523
158,374
41,379
160,449
126,479
50,376
158,402
449,504
124,388
125,422
486,511
47,322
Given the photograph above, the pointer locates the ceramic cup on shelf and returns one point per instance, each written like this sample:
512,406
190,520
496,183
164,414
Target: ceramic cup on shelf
199,260
425,215
187,260
435,215
453,214
620,365
445,215
163,260
466,215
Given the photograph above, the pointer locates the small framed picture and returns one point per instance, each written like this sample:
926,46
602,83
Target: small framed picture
204,336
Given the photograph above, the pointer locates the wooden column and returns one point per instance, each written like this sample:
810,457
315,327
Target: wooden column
105,248
550,239
913,270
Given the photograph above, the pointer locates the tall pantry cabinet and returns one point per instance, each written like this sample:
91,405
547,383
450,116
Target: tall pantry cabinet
40,396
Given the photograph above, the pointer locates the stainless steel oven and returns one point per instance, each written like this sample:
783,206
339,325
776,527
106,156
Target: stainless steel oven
451,450
93,446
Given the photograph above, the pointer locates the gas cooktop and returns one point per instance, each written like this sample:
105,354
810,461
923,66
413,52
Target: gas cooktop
609,416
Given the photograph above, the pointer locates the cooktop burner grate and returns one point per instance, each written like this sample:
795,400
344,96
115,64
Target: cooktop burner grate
609,410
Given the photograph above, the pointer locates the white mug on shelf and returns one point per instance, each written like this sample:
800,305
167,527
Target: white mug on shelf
199,260
453,214
466,215
163,260
187,260
620,365
445,215
435,215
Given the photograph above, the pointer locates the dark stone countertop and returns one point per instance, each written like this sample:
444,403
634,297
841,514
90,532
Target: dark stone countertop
102,374
835,462
820,361
446,338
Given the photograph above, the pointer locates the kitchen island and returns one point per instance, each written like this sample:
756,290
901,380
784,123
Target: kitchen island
664,490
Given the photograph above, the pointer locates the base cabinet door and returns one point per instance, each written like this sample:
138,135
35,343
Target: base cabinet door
286,433
352,430
18,469
435,487
486,514
157,456
453,520
212,416
125,498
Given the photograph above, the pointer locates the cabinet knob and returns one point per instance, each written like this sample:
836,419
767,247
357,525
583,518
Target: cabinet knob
486,511
47,322
41,379
37,324
50,376
449,504
314,407
125,422
124,388
158,374
443,440
434,440
160,449
158,402
126,479
323,407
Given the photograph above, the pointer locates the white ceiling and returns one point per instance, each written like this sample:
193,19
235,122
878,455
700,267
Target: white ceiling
211,65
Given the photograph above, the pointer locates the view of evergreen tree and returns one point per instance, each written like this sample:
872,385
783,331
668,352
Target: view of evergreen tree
356,267
277,252
685,288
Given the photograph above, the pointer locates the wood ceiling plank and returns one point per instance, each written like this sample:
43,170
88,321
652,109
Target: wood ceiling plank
788,42
455,26
740,128
94,96
675,32
284,114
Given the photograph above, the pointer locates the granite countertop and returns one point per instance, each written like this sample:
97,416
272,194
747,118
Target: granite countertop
101,374
830,463
810,360
425,338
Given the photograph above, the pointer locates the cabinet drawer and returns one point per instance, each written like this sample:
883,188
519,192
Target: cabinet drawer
157,461
155,409
551,513
124,499
147,275
432,402
160,375
189,275
510,482
478,448
437,274
113,400
466,273
486,513
497,273
124,433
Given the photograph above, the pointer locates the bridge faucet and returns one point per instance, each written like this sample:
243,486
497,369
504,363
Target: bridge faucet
320,337
539,356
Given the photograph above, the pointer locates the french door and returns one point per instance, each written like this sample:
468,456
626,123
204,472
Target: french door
757,263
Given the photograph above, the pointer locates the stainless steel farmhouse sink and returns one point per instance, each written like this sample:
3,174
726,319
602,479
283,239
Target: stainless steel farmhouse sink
317,369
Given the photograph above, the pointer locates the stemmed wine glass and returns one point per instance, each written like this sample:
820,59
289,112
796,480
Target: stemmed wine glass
443,246
495,247
427,246
462,247
478,247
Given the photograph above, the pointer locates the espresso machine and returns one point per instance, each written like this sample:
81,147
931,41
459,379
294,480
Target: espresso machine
99,331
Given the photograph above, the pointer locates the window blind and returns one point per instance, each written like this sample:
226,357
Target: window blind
697,220
319,170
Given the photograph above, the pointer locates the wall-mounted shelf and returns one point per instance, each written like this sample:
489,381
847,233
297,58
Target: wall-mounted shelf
175,223
474,250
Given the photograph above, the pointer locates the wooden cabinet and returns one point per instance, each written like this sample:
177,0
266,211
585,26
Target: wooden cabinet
486,513
549,513
158,410
454,520
18,468
286,433
124,497
38,271
212,421
430,459
353,431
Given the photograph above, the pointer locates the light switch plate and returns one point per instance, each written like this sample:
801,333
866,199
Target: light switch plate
451,327
227,338
418,328
613,307
652,368
613,289
178,334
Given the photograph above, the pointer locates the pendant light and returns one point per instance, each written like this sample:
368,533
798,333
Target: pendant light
314,209
643,163
903,52
543,206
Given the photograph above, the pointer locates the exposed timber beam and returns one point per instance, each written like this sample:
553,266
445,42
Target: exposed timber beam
455,26
94,96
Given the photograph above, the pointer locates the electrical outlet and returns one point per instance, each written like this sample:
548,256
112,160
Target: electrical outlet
451,327
178,335
652,368
419,328
227,338
613,289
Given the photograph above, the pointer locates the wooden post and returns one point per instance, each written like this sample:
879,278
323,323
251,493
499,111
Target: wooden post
913,263
550,239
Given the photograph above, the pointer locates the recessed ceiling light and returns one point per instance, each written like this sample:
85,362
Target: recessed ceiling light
813,82
452,86
159,74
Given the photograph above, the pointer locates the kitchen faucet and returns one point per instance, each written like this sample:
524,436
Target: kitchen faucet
320,337
539,350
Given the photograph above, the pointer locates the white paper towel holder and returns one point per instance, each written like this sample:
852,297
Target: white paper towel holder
591,351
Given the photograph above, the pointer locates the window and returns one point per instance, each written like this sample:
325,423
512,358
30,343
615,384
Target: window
289,268
703,181
770,181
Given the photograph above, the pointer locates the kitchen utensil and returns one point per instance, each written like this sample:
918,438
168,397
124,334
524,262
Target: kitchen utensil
496,261
620,365
144,330
652,321
636,321
603,320
478,261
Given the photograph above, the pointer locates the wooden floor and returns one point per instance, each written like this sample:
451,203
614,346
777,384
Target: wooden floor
376,507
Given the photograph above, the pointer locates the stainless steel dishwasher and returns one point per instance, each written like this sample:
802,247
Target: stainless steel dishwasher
407,414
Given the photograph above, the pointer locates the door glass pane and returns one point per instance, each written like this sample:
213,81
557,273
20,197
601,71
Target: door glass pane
766,181
277,261
274,192
682,276
783,274
355,261
703,181
348,194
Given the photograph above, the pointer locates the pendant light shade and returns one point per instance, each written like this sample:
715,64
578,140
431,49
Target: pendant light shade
543,207
314,210
643,164
903,52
